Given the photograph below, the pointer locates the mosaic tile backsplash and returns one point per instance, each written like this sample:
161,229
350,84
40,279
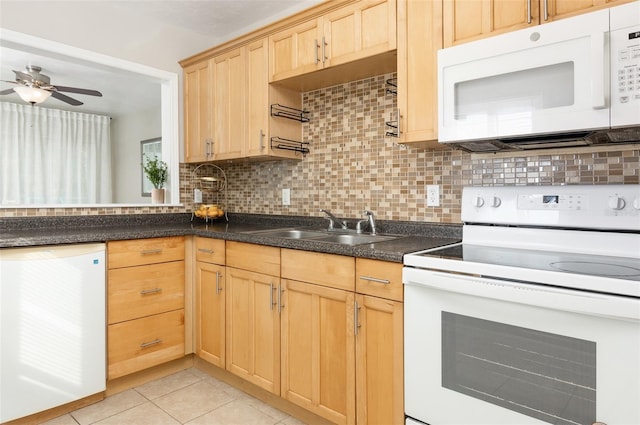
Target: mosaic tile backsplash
354,166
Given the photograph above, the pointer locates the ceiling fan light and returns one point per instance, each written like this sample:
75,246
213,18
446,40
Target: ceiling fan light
32,95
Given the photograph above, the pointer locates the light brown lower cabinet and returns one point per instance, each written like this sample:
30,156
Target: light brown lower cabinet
145,303
323,331
318,350
210,312
379,361
210,305
253,328
379,342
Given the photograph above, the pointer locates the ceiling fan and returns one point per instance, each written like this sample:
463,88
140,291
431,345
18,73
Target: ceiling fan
34,87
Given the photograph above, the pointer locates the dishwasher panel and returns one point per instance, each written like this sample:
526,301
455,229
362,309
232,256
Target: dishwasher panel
52,327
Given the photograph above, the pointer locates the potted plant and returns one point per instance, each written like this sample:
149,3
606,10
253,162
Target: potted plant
157,173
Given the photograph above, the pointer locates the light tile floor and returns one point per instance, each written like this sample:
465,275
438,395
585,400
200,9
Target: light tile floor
188,397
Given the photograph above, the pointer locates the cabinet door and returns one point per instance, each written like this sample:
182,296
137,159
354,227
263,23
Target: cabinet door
363,29
229,100
379,361
318,369
253,328
257,85
197,112
558,9
295,50
467,20
420,34
210,313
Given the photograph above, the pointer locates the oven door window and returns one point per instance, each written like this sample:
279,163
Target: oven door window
543,375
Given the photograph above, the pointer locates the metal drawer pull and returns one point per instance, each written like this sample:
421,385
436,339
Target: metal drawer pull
150,291
151,251
375,279
150,343
205,250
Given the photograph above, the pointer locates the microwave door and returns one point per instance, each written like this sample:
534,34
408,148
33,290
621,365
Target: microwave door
533,81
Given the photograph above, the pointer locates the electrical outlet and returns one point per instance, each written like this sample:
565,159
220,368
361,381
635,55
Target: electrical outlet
197,196
433,195
286,196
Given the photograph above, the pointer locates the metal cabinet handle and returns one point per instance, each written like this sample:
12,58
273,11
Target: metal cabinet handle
317,48
529,17
280,305
206,251
261,140
546,10
218,287
375,279
151,251
356,325
324,56
399,123
150,291
150,343
271,303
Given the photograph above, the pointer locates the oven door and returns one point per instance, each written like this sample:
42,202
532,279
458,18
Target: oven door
488,351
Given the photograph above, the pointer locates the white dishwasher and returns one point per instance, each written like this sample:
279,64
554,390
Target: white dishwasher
52,327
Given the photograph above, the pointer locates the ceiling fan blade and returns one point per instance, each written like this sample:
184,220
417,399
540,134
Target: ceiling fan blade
66,99
77,90
24,76
7,91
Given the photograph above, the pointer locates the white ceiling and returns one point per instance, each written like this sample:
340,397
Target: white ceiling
220,20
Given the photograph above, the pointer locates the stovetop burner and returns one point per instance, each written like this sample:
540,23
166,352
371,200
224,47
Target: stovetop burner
597,269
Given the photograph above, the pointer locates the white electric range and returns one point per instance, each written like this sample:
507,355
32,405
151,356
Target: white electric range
534,317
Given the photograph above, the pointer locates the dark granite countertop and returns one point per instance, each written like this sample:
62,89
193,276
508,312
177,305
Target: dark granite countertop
414,236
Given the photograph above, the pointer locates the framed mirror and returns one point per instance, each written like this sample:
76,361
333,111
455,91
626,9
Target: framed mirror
140,101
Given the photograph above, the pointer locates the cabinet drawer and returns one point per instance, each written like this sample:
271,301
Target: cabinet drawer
335,271
255,258
140,291
139,344
210,250
136,252
379,278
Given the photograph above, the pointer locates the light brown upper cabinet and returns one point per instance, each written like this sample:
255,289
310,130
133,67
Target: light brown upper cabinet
467,20
227,107
229,104
419,38
355,31
198,113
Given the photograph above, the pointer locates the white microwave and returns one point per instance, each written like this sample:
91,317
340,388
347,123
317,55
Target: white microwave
571,82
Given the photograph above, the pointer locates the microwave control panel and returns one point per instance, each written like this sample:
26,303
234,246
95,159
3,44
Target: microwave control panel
625,65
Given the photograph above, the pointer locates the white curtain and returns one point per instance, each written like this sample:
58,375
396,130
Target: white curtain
49,156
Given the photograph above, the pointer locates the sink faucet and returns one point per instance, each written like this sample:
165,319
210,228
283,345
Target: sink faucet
333,220
370,219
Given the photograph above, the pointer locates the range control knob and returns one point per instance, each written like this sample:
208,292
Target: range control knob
616,203
478,201
496,202
636,203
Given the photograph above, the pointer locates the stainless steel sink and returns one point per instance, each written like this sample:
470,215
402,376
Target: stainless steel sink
290,233
355,239
324,236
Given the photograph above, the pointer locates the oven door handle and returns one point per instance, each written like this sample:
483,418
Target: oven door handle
584,302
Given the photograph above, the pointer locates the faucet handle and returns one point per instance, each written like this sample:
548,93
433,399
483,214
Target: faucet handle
371,219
